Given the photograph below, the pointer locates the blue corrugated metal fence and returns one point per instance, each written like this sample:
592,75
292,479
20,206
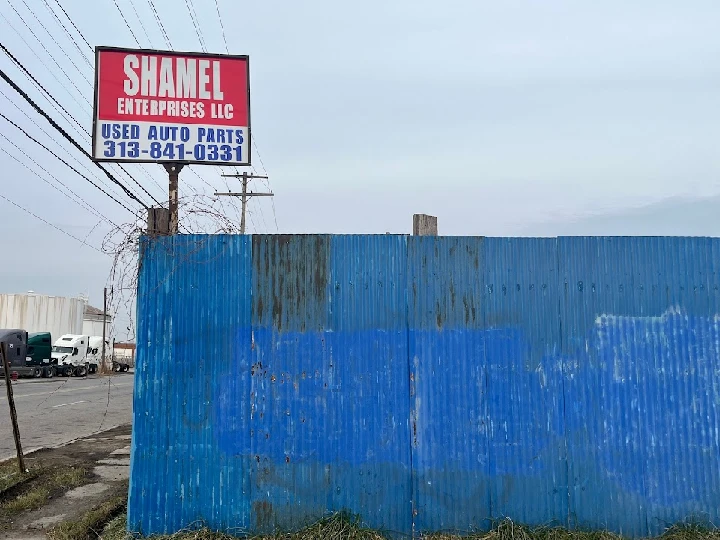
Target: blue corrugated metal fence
426,383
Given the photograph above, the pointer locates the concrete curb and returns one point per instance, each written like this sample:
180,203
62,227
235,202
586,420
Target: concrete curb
35,450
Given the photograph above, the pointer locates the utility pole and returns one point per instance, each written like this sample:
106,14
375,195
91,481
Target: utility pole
13,412
173,170
244,194
104,324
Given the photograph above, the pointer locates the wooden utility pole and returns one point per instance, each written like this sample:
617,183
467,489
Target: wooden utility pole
11,402
244,194
104,324
173,170
158,222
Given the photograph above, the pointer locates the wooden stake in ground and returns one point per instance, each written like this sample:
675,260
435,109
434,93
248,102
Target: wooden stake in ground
11,402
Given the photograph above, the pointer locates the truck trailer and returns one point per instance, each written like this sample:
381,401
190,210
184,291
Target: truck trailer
95,350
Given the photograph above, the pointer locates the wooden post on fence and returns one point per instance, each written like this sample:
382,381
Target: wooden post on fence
11,402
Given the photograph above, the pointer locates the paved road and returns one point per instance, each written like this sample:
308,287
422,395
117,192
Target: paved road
55,411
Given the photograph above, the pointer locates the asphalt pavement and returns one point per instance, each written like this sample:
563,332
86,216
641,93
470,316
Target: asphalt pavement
59,410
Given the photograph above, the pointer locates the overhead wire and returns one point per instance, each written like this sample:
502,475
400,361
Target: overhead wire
222,26
90,47
67,136
71,22
59,159
29,75
74,198
82,165
42,44
147,36
67,32
160,24
196,24
201,38
57,105
123,169
254,142
50,224
85,133
126,22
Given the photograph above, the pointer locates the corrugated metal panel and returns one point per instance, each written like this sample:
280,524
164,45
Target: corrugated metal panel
426,383
640,327
528,470
39,313
190,447
449,383
329,390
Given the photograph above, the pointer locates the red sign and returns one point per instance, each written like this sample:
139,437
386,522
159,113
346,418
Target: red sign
153,106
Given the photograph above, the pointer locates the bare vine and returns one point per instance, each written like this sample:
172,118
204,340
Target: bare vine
199,214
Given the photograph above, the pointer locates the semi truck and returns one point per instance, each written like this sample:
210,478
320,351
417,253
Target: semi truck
70,353
36,361
16,346
95,351
38,358
32,355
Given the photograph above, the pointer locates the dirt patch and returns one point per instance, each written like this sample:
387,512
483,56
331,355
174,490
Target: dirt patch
64,486
90,525
45,483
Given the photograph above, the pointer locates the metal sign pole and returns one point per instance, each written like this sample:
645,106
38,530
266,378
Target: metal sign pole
173,170
13,412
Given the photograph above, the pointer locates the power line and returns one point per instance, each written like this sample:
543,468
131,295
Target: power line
33,79
64,133
267,182
19,64
71,22
58,158
160,24
50,224
126,23
222,26
77,200
84,132
196,24
72,38
32,12
132,5
110,188
123,169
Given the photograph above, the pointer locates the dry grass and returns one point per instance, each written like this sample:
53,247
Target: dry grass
344,527
509,530
10,475
29,500
44,484
90,525
115,529
691,531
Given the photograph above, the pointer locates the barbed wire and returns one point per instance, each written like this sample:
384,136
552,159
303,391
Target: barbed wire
200,214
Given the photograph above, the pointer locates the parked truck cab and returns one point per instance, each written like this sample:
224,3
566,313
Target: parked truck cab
38,360
70,353
16,346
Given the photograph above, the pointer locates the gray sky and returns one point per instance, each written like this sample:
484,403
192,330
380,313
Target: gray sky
501,118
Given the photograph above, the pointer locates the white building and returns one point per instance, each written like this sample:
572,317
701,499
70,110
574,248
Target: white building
93,323
40,313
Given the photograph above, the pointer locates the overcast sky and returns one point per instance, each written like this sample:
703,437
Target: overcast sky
501,118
